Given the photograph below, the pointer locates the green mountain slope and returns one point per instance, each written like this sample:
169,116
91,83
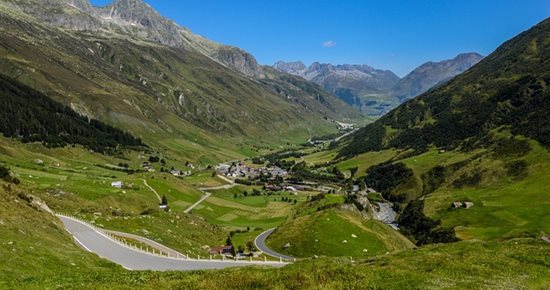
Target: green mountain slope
482,138
507,89
169,96
33,117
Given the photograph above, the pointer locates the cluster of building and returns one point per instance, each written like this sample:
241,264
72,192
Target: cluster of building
147,166
174,171
344,126
177,172
241,170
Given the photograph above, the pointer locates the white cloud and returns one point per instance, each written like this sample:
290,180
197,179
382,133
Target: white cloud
329,44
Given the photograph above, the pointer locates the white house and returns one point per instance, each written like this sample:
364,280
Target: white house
116,184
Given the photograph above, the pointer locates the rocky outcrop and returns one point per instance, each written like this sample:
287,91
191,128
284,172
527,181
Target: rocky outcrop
239,60
432,74
345,76
137,19
294,68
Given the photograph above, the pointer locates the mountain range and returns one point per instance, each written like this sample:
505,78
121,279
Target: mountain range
126,65
373,91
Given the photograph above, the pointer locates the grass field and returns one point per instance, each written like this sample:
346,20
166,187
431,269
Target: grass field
37,253
336,233
78,182
503,208
265,211
327,201
364,161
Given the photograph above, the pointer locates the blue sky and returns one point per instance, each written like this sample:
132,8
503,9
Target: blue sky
395,35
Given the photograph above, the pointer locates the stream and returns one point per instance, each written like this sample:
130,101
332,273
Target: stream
385,214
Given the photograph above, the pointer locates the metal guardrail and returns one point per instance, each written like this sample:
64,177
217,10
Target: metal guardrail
122,242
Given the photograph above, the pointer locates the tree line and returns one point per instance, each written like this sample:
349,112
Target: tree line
30,116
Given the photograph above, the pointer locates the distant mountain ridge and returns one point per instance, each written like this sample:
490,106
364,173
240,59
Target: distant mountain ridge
430,74
507,90
375,91
334,77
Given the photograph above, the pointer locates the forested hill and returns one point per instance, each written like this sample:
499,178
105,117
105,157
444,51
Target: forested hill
33,117
508,89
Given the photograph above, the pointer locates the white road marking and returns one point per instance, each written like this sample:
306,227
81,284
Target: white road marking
81,244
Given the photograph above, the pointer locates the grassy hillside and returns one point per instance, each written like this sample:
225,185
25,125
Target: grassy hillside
510,199
480,138
506,89
78,182
38,253
175,99
505,181
33,117
336,233
33,241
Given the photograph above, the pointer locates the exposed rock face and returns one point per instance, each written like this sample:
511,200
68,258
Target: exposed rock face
374,92
432,74
137,19
361,86
346,76
239,60
73,14
295,68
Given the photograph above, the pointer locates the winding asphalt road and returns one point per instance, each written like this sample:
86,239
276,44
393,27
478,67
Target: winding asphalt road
98,243
150,243
260,244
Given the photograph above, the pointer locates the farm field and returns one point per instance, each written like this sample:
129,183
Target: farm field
265,211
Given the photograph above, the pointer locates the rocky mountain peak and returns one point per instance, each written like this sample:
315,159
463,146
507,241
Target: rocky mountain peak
468,56
293,67
431,74
134,11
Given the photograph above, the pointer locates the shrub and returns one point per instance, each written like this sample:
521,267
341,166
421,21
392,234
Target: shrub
517,169
422,229
385,177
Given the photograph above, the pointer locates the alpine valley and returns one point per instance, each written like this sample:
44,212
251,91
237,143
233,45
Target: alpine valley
135,154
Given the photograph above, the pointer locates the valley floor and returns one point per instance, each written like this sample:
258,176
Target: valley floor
78,182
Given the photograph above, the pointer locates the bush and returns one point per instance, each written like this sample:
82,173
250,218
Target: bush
511,148
468,179
433,179
422,229
517,169
387,176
